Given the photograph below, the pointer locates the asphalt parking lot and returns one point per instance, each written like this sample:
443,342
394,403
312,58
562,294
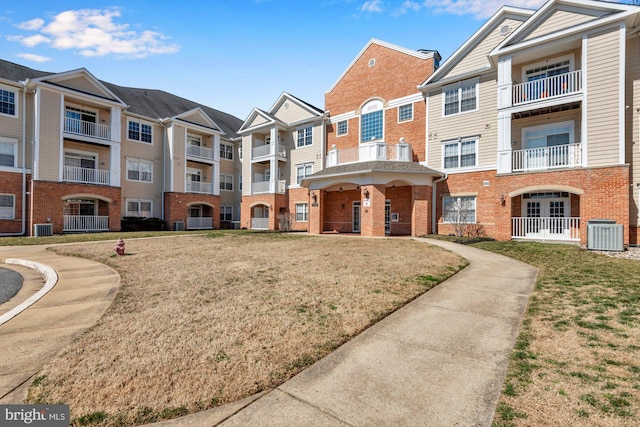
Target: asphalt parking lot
10,284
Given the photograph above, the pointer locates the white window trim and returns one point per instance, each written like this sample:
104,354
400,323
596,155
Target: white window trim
14,142
412,113
16,97
227,178
224,144
372,106
454,196
301,128
127,200
139,160
306,213
459,141
13,213
569,123
82,109
570,57
459,85
140,122
303,166
338,134
223,209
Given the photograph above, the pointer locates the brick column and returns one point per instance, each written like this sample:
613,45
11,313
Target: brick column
372,216
316,217
420,210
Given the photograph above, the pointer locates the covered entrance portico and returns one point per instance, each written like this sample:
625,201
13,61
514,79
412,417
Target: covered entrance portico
371,198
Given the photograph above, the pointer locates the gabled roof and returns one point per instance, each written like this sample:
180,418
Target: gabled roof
472,42
599,12
421,54
305,105
65,79
15,72
196,117
270,117
269,120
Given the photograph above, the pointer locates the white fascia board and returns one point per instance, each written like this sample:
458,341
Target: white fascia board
201,113
459,77
468,45
397,48
410,99
78,72
343,116
195,126
296,101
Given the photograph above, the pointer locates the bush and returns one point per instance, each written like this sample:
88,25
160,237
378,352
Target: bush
134,223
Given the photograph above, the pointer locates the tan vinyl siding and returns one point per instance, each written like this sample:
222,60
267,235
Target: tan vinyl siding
49,138
30,131
308,154
516,73
103,115
477,58
481,122
603,89
179,160
81,84
246,164
257,121
559,20
633,123
196,118
290,112
517,125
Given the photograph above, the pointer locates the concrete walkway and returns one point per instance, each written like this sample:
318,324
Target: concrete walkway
439,361
84,290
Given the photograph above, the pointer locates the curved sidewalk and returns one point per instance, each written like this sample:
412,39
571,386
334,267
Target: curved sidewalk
84,291
439,361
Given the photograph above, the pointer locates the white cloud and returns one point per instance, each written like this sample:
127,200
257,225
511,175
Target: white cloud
406,7
371,6
478,8
34,58
94,32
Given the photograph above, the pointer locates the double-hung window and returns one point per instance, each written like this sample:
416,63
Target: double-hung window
303,171
226,182
405,113
226,151
460,97
460,154
302,212
7,102
7,206
226,213
139,208
343,127
139,170
305,136
8,154
459,209
139,132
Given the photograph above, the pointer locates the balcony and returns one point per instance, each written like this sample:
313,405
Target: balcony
84,223
546,228
265,187
544,158
268,150
371,151
199,223
85,128
200,152
548,87
259,223
86,175
199,187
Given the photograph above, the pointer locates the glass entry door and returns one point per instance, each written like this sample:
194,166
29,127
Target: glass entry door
355,217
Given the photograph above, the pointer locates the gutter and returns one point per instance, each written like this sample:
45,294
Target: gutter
434,222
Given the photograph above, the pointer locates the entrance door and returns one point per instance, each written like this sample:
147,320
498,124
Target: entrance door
355,217
546,217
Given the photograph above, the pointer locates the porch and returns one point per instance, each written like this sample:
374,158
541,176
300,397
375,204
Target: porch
546,229
546,215
548,87
85,215
85,223
549,157
86,175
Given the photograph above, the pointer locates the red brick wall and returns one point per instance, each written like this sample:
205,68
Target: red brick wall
337,210
48,202
274,201
298,195
372,223
421,209
176,207
12,184
401,203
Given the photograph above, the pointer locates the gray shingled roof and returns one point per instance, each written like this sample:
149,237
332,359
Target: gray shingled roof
151,103
371,167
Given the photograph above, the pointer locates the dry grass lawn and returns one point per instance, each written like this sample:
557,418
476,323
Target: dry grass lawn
202,321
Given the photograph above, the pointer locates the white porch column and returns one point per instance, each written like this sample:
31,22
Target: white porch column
216,147
114,161
274,141
332,156
505,83
504,142
116,126
215,175
273,181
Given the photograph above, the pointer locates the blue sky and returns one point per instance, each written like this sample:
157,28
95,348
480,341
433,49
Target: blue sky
232,55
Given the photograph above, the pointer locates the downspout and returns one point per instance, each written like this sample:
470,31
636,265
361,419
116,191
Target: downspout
164,166
434,221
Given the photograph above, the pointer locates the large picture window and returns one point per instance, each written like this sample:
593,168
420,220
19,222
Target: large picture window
459,209
372,121
460,154
460,97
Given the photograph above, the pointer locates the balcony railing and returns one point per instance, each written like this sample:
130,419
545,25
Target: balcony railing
85,223
259,223
369,152
86,175
199,223
558,156
81,127
199,187
200,152
265,187
548,87
268,150
546,228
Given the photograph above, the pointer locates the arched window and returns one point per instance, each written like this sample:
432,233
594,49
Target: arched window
372,121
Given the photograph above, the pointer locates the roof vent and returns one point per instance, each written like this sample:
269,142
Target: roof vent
372,62
504,30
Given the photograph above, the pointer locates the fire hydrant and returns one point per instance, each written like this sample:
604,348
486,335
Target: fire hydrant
119,248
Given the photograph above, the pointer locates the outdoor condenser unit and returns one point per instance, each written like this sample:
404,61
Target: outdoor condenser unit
605,235
178,225
40,230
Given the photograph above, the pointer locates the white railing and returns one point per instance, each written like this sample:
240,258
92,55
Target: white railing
265,187
546,228
86,175
268,150
369,152
86,223
558,156
259,223
548,87
199,223
80,127
199,187
201,152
